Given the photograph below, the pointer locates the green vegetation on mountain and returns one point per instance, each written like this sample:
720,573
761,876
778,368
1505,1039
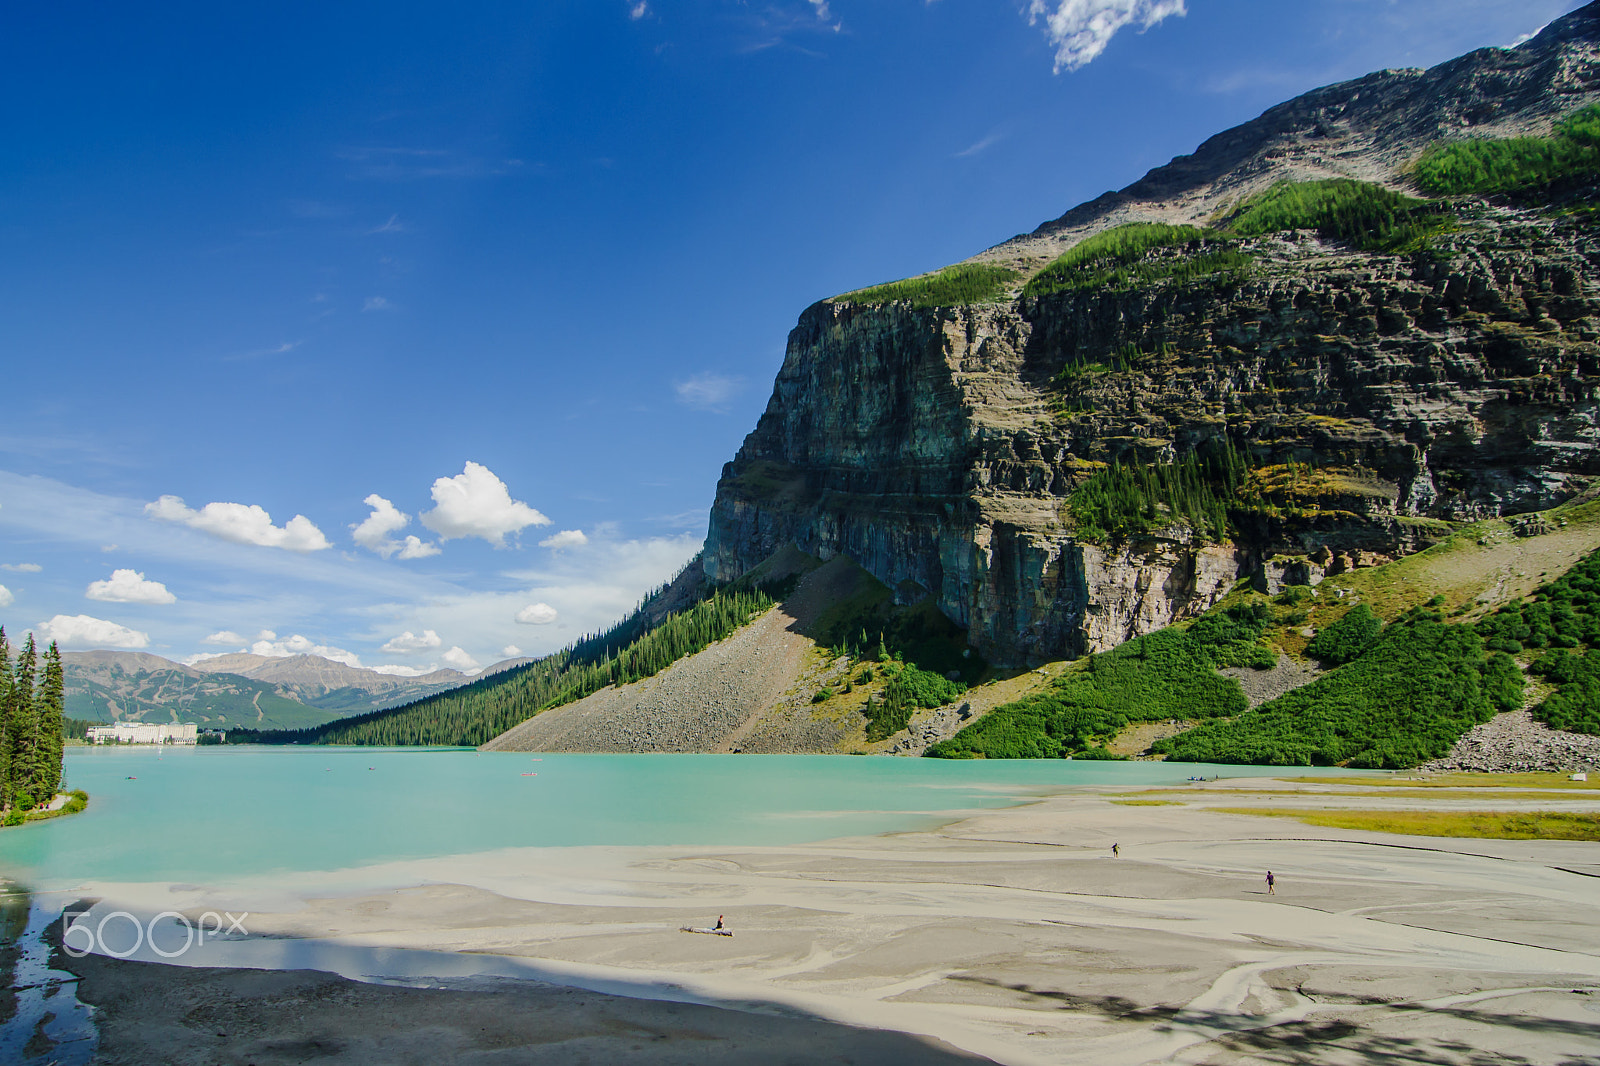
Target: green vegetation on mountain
1563,617
31,740
1352,634
633,649
226,701
1168,674
909,688
1119,257
954,286
1197,490
1521,166
1405,700
1359,213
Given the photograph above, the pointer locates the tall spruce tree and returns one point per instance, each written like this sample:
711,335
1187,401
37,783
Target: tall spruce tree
5,720
24,724
51,703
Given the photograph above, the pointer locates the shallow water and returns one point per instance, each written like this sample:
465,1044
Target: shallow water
212,814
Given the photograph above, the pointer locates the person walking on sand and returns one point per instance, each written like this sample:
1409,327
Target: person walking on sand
1114,851
1272,884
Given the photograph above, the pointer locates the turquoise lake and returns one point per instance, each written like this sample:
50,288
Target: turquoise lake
220,813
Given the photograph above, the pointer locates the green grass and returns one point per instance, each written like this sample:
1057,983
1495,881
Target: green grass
1169,674
1359,213
1491,825
954,286
1405,700
1515,165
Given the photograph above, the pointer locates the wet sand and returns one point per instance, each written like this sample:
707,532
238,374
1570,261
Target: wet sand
1013,935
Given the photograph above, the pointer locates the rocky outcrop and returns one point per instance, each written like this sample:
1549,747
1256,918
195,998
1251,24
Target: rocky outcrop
938,446
1515,742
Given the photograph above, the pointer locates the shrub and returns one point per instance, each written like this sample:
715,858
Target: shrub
1347,638
823,695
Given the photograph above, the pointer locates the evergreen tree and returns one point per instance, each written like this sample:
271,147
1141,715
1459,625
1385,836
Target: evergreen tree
51,703
24,724
5,720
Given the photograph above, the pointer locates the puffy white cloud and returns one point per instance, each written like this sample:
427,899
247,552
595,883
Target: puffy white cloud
707,391
511,651
242,524
21,568
639,10
409,643
459,659
537,614
567,538
129,586
81,630
416,548
6,598
1081,29
475,503
226,638
376,303
273,648
372,532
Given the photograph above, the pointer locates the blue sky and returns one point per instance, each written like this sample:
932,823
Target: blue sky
276,277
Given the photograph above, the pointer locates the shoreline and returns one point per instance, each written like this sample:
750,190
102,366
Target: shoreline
1014,934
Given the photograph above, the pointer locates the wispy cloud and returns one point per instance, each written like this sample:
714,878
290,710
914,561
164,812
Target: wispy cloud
1081,29
709,392
979,146
387,163
393,225
377,303
639,10
21,568
262,353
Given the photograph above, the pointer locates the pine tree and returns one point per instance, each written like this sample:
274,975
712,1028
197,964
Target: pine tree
24,727
5,720
51,703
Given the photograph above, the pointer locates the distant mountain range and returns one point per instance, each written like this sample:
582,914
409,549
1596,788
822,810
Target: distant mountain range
241,689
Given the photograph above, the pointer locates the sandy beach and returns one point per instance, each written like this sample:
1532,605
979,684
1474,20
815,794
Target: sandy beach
1011,935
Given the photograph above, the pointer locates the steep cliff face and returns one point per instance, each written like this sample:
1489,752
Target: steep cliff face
938,446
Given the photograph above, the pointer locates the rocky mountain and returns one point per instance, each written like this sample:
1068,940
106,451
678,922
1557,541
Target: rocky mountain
331,685
1372,391
234,690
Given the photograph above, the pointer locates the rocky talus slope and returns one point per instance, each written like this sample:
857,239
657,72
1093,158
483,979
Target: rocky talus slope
1515,742
938,446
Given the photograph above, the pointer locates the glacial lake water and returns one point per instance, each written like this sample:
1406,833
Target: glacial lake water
212,814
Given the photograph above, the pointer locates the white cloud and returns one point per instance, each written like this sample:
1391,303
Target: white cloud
639,10
567,538
21,568
129,586
372,532
395,670
226,638
376,303
6,599
707,391
416,548
462,661
511,651
241,524
394,225
1081,29
537,614
84,631
298,645
475,503
409,643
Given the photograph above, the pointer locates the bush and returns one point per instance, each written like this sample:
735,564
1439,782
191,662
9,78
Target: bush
1405,700
1347,638
823,695
1169,674
79,800
1563,616
909,688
